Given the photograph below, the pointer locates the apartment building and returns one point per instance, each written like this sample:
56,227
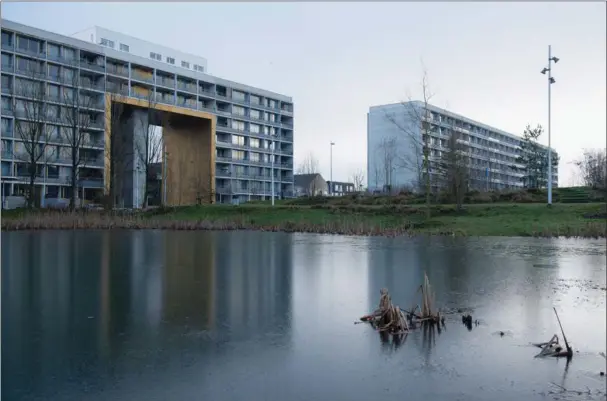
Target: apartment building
254,127
394,154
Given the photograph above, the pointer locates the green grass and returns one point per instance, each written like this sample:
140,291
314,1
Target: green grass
498,219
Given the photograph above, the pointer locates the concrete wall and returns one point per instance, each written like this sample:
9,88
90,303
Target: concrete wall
392,122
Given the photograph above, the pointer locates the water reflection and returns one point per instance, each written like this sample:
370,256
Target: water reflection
157,315
82,309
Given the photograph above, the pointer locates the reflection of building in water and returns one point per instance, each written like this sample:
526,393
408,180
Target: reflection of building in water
253,280
189,279
395,264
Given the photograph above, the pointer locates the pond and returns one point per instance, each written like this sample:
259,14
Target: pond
161,315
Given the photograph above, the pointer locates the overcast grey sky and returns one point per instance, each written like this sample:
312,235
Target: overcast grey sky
337,59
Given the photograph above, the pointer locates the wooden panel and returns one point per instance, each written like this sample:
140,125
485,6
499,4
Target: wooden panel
190,175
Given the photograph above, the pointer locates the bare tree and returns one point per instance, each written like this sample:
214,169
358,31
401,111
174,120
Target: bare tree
75,113
309,166
387,155
148,149
454,167
593,168
358,179
118,153
416,129
30,126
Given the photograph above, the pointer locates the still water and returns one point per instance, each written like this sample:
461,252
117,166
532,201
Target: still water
159,315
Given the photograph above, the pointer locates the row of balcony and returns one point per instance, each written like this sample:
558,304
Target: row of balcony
252,162
22,114
235,190
220,173
24,157
141,76
227,128
88,182
277,152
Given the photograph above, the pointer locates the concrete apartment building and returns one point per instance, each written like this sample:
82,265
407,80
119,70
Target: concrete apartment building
394,133
253,128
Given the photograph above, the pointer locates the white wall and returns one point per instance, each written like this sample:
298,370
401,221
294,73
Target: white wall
139,47
387,122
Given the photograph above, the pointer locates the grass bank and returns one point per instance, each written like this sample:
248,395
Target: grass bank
570,220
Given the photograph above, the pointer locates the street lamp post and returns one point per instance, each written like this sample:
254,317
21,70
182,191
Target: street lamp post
331,169
551,80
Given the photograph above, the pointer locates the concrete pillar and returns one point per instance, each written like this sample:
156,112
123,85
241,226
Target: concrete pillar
139,125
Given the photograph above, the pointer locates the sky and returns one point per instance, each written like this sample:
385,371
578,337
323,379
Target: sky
483,60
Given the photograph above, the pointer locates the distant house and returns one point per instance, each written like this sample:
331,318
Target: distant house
310,185
340,188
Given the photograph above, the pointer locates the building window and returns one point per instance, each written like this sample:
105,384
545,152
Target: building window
239,111
198,68
124,48
155,56
254,114
254,128
254,156
255,99
185,64
170,60
254,142
238,125
107,42
7,39
238,140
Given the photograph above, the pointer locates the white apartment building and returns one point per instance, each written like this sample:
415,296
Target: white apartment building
254,127
394,154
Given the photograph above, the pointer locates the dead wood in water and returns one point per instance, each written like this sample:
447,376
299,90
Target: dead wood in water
394,320
553,348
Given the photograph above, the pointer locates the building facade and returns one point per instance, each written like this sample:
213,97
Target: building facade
310,185
395,155
254,127
338,188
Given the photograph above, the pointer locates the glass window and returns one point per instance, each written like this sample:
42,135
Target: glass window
254,142
238,125
254,128
53,70
7,39
254,156
124,48
53,50
170,60
68,74
52,91
239,111
7,60
6,82
254,114
68,53
237,140
255,99
238,95
185,64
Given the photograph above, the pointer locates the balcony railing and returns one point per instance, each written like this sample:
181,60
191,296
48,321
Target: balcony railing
8,46
142,76
60,59
187,87
92,66
117,70
33,53
92,85
167,82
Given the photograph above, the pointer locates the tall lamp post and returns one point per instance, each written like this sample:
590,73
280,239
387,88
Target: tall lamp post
331,169
551,80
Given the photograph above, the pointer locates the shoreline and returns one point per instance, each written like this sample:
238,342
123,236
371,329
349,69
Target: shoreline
505,220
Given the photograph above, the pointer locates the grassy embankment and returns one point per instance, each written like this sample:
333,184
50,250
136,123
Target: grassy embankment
395,215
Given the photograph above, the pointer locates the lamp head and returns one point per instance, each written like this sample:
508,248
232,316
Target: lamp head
544,71
552,80
555,59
